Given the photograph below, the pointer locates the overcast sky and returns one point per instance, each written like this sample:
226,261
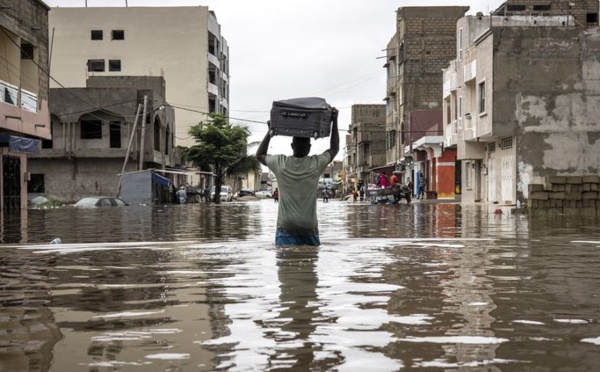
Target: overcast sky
283,49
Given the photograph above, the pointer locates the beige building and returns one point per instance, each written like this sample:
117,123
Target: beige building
183,45
521,99
366,149
24,113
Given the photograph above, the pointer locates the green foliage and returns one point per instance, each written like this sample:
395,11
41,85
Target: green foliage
223,148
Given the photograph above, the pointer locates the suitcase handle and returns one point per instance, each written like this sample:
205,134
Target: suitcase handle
302,115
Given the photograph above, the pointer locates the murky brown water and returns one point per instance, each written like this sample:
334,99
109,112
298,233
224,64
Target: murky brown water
427,287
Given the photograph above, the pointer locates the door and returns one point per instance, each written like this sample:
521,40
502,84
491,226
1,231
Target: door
11,180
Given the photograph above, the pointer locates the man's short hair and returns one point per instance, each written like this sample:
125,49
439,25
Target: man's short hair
301,140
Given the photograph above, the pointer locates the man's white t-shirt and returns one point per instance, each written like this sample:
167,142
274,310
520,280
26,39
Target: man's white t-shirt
298,180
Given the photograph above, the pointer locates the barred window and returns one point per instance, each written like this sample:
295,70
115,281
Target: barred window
506,143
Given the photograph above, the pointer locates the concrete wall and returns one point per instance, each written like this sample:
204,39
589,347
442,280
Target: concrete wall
68,180
547,88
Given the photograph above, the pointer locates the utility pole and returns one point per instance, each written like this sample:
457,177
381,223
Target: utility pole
141,166
137,114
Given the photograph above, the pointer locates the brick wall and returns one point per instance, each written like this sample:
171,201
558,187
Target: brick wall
566,194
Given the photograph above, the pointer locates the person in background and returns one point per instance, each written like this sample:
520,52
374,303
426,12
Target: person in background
361,192
325,194
276,195
298,176
383,180
394,183
206,194
421,187
181,195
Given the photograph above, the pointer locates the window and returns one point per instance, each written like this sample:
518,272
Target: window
542,8
114,65
36,183
506,143
97,35
118,34
95,65
91,129
482,97
515,8
491,147
26,51
591,18
460,107
115,135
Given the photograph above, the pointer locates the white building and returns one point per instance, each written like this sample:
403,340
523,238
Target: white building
181,44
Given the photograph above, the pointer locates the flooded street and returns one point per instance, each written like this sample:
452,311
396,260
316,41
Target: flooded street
202,287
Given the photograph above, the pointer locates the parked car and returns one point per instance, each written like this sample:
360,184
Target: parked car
263,194
246,192
100,201
226,193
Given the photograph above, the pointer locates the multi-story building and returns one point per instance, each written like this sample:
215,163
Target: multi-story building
367,144
183,45
24,114
521,98
422,46
98,133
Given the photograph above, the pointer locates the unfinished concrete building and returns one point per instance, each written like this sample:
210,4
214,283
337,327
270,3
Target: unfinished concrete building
98,133
522,101
422,46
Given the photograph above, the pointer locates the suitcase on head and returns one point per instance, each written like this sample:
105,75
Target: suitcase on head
301,117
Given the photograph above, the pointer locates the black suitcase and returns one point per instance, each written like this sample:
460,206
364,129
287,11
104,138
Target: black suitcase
301,117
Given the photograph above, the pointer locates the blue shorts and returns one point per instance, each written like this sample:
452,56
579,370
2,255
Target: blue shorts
284,239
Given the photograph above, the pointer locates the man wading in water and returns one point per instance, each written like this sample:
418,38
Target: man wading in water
298,180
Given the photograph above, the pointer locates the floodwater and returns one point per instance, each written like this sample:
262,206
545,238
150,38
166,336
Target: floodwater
431,287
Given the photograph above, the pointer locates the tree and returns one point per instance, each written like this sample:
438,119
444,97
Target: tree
222,147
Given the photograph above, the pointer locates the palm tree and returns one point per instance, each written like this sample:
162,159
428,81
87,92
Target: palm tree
222,147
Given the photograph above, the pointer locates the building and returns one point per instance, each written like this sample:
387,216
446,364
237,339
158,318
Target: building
367,144
521,99
424,43
97,134
24,113
183,45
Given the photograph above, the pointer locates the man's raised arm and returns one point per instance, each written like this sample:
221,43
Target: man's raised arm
261,152
334,144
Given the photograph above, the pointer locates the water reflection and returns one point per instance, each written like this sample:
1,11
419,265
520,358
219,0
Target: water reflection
28,332
202,287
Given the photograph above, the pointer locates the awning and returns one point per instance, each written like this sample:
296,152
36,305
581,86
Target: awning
20,144
163,181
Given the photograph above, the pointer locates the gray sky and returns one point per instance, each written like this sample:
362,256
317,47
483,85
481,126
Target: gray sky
283,49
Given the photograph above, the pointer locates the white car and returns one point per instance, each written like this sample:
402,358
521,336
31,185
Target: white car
226,193
263,194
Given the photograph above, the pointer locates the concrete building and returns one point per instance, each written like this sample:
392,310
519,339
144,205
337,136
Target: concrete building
367,145
422,46
24,115
97,134
183,45
522,101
